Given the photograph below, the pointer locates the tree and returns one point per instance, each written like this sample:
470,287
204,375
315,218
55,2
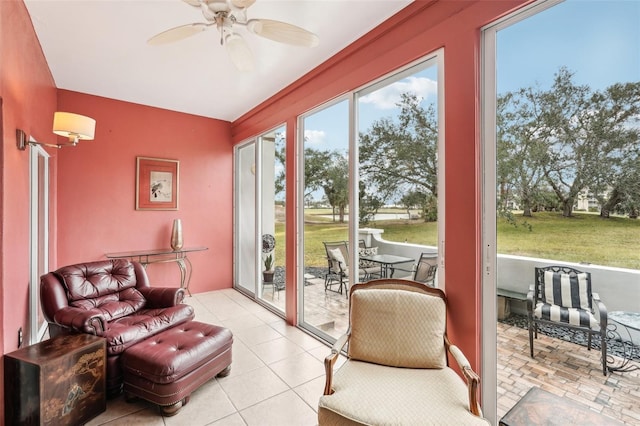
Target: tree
368,204
520,148
571,137
335,183
587,133
400,156
315,166
280,159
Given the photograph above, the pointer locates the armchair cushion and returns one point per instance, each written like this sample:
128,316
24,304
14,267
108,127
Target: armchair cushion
368,251
336,255
572,316
566,290
379,333
96,279
127,331
368,390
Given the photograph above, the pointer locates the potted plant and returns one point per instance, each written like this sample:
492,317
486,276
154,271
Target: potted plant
268,272
268,245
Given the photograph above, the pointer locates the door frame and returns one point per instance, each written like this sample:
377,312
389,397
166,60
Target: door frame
38,235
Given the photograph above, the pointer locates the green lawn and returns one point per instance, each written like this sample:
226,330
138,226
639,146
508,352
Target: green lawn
583,238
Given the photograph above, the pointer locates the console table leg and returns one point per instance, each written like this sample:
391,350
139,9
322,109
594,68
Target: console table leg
185,273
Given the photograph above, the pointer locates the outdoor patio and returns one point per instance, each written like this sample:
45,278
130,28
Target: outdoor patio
560,367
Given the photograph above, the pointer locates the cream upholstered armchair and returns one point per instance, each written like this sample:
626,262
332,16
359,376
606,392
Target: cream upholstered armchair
397,368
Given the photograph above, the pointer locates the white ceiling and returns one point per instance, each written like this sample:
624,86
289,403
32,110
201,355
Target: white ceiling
99,47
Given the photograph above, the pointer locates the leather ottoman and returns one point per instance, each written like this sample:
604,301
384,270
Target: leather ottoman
167,367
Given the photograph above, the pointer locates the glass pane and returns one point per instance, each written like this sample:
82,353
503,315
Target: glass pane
245,193
326,195
398,162
273,252
567,187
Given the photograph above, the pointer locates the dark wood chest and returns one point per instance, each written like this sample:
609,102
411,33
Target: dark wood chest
60,381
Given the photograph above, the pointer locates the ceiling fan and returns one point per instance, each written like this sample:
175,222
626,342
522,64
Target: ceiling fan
226,16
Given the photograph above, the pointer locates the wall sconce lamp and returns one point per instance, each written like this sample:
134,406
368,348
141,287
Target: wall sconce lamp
75,127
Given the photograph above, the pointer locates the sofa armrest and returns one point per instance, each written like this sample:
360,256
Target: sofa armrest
330,361
81,320
472,379
162,297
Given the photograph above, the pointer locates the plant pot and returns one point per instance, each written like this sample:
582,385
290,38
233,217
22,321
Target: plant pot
267,276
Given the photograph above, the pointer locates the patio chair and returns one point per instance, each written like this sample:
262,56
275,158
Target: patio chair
426,269
338,269
562,296
368,269
397,369
338,266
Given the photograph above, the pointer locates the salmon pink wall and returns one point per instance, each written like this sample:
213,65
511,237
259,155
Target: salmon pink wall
28,99
96,188
419,29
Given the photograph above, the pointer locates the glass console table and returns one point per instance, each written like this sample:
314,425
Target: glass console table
145,257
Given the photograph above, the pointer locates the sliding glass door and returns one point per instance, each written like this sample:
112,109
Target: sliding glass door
370,175
259,218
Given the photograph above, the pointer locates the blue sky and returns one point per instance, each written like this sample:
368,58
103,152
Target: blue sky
597,40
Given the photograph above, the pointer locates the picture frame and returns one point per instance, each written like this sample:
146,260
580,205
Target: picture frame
157,181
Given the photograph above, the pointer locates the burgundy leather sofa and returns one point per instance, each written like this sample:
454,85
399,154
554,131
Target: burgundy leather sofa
112,299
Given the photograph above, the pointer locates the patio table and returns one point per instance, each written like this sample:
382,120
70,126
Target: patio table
629,321
387,262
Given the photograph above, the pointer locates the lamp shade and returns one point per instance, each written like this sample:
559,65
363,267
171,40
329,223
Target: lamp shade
74,126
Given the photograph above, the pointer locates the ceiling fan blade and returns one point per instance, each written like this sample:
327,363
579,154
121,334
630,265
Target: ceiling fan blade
283,32
241,3
239,52
194,3
177,33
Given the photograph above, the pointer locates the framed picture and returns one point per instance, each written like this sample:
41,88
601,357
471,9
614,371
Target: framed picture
156,184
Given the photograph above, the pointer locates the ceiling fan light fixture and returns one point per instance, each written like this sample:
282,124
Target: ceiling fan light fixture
239,52
283,32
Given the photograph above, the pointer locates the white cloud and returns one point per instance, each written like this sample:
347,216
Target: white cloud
314,137
388,97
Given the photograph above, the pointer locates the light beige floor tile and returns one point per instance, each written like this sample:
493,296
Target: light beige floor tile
232,420
207,403
148,417
320,353
276,350
297,336
286,409
117,408
243,360
256,335
252,387
311,391
266,315
242,322
207,317
298,369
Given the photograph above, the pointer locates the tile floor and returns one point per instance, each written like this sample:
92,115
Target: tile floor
276,377
277,374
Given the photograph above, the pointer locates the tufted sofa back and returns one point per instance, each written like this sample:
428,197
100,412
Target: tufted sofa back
108,286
